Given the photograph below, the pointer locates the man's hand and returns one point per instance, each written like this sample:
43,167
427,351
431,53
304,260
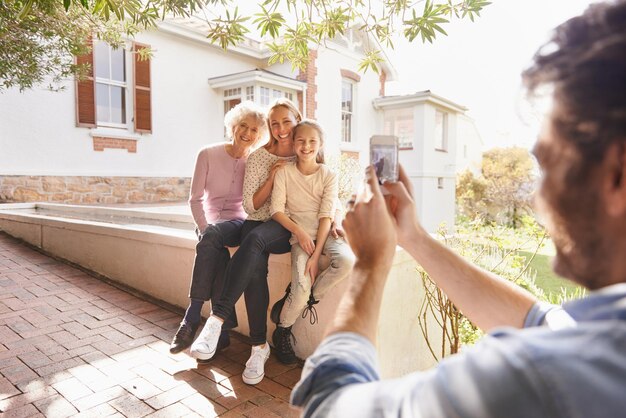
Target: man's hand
370,229
402,209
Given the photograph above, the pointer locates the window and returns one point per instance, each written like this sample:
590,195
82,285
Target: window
289,96
347,110
441,131
399,122
114,89
265,96
110,68
232,97
440,182
250,93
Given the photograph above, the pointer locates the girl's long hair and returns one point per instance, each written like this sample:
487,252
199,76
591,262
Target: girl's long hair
278,103
320,132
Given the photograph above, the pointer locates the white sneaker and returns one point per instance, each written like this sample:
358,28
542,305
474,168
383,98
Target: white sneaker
205,345
255,366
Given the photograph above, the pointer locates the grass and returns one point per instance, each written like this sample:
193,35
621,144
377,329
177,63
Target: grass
546,278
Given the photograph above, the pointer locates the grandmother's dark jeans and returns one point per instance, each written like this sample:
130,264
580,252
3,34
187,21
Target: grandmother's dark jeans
210,264
247,274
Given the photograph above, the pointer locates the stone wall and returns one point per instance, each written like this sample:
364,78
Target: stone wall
91,190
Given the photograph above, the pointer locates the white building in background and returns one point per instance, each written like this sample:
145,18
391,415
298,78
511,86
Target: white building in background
437,141
131,132
470,146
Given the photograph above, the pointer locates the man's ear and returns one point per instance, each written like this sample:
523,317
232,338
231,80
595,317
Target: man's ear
614,187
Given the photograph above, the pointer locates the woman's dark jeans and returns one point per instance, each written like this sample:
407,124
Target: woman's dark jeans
210,264
247,274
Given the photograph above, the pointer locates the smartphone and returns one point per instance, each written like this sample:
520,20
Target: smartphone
384,157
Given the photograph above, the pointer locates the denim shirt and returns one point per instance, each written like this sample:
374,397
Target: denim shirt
567,362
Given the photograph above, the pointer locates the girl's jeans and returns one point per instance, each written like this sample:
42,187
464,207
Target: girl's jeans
210,264
341,263
247,274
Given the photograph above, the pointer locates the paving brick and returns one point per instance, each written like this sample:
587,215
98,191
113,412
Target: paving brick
43,382
267,385
203,406
72,389
23,411
71,343
141,388
90,401
282,409
171,396
240,410
55,406
175,410
238,396
102,410
131,407
289,378
35,359
7,335
156,376
26,398
7,389
18,373
60,366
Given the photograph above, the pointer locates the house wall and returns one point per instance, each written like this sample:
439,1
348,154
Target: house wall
469,146
186,114
330,62
425,165
39,136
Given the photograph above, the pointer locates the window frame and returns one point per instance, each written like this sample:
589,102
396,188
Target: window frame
351,113
111,82
395,114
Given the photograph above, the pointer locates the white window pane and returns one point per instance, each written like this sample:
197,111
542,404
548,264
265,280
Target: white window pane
277,94
102,103
118,65
346,127
101,59
118,105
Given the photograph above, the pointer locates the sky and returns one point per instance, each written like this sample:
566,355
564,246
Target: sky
478,65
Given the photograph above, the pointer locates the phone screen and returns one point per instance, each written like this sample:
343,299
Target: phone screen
384,157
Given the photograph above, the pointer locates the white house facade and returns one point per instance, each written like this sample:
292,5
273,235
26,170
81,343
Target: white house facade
130,132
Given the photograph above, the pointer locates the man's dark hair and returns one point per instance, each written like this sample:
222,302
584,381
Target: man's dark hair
585,62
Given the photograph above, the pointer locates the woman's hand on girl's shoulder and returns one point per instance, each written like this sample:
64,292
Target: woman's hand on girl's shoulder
277,166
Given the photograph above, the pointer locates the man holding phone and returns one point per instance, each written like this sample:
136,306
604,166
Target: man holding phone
538,360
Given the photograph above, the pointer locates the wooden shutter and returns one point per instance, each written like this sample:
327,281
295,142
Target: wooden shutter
86,92
142,92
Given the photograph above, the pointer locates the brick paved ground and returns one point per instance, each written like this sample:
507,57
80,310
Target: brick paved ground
71,345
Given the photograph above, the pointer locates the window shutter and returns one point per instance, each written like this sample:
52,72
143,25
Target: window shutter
85,92
142,91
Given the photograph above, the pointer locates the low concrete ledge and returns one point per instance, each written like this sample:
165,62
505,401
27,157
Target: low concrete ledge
153,252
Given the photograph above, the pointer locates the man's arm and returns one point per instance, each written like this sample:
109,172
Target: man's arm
486,299
373,263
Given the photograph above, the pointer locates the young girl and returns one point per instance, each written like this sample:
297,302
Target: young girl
307,190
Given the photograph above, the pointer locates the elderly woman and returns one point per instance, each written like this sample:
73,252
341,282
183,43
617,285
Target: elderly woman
216,205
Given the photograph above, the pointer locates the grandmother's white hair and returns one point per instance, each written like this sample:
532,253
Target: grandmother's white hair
242,111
